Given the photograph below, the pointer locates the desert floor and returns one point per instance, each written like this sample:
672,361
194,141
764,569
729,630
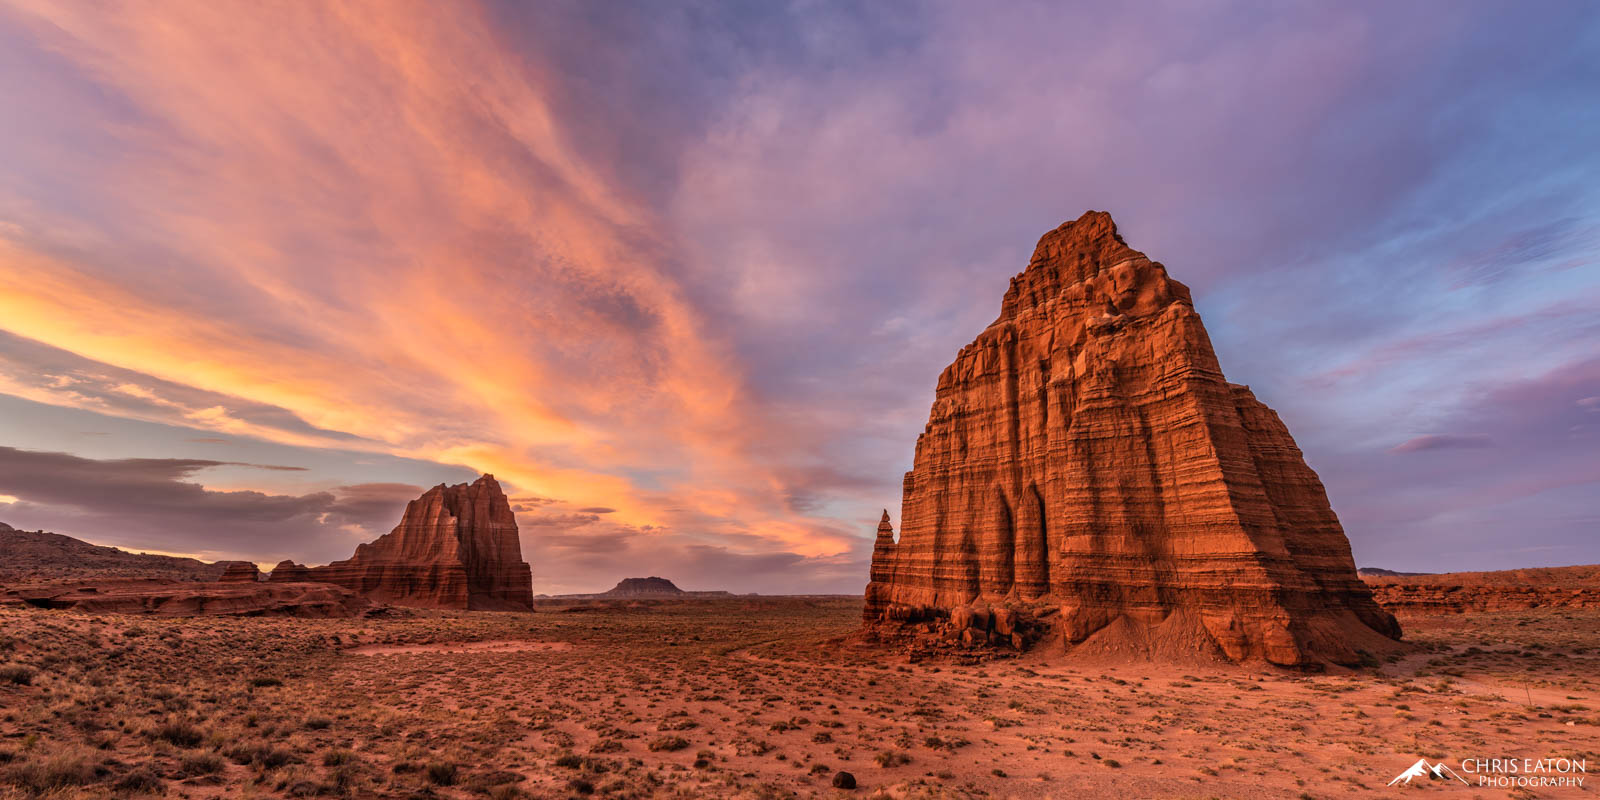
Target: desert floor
758,698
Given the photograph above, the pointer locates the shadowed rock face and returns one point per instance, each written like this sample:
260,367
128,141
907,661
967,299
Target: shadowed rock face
456,547
1087,468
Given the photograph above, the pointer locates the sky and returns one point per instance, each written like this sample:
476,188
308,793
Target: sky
683,276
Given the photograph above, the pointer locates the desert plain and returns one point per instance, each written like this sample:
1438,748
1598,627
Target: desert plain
752,697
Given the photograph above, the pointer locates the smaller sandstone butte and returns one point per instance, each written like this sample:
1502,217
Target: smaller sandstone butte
289,572
1505,590
1089,477
239,572
643,587
455,547
38,555
190,598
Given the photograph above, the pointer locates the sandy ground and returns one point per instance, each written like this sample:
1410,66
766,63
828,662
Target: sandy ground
502,646
751,698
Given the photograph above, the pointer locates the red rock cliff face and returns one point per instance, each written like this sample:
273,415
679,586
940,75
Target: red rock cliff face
1086,464
456,547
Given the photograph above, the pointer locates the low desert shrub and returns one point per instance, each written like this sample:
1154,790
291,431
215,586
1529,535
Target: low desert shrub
484,781
202,764
273,757
770,791
180,734
60,771
891,758
667,744
334,758
260,755
345,776
141,780
443,773
17,674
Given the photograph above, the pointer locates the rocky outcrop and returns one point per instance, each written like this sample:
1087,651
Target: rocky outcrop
456,547
1506,590
1433,598
239,572
188,598
1087,475
289,572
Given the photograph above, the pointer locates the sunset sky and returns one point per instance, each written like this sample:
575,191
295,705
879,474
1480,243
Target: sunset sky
683,276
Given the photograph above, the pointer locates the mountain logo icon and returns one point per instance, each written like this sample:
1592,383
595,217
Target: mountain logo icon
1433,771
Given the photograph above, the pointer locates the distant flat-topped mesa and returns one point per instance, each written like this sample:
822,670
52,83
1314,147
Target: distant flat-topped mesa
456,547
651,586
1087,476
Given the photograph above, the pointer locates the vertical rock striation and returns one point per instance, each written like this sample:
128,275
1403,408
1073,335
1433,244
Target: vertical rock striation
456,547
1086,467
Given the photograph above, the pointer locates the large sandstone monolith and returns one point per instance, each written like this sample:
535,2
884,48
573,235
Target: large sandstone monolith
1087,473
456,547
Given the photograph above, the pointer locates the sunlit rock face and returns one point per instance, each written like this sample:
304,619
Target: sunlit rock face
1088,475
456,547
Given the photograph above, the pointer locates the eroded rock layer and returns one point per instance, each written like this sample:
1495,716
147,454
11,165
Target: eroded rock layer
289,572
1433,598
190,598
1087,472
456,547
239,572
1506,590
